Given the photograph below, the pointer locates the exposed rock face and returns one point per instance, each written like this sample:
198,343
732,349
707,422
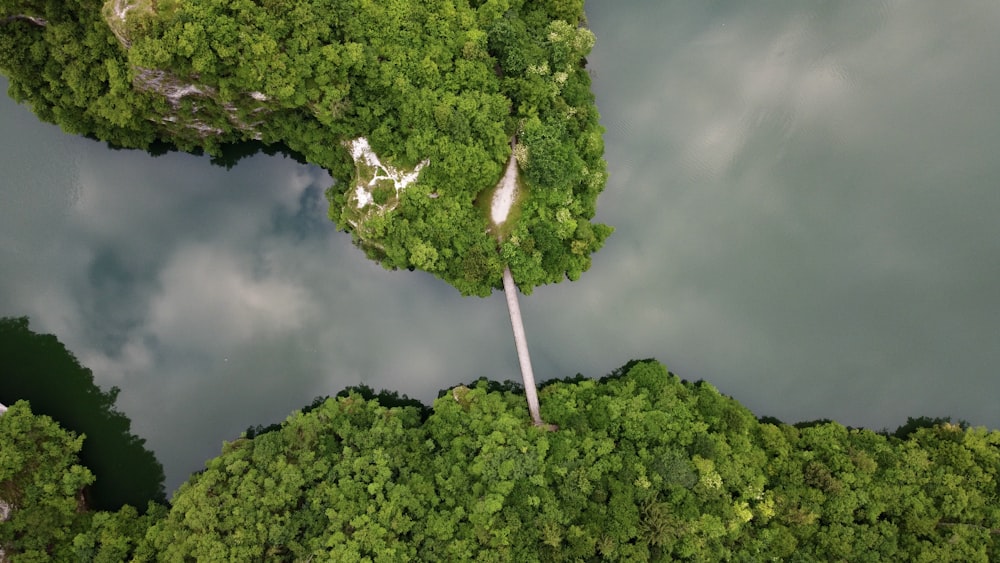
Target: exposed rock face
168,85
116,12
376,191
367,161
174,88
41,22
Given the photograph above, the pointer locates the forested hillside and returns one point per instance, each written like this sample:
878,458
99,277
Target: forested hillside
643,467
448,83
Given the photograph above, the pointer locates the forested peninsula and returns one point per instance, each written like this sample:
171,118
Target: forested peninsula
411,105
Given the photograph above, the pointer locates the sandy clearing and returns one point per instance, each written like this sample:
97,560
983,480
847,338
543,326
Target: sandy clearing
503,197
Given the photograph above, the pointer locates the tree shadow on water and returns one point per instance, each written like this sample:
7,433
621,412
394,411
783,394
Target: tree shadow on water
39,369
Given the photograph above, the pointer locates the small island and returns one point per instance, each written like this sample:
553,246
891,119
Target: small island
433,90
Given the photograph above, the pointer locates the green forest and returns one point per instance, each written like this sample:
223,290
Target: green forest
643,466
449,83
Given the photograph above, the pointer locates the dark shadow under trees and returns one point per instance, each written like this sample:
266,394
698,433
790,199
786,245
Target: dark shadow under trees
39,369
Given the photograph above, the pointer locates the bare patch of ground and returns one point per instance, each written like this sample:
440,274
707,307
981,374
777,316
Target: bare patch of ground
366,159
503,197
115,13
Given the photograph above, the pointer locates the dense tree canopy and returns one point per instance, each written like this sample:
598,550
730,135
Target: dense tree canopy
43,512
446,82
643,467
41,484
39,369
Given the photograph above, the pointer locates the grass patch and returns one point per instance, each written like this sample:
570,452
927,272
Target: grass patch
364,174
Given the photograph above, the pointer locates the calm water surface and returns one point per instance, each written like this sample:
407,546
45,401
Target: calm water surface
807,203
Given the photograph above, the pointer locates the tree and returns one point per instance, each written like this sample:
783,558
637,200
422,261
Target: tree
39,369
332,484
41,486
113,537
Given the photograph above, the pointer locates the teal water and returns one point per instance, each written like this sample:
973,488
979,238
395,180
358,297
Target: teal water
806,200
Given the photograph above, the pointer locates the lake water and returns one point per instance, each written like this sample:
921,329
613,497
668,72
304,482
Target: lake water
807,204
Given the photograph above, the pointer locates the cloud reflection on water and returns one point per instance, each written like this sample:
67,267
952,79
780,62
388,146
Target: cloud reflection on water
805,204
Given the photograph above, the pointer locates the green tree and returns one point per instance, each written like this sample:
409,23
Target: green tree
39,369
113,537
41,486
